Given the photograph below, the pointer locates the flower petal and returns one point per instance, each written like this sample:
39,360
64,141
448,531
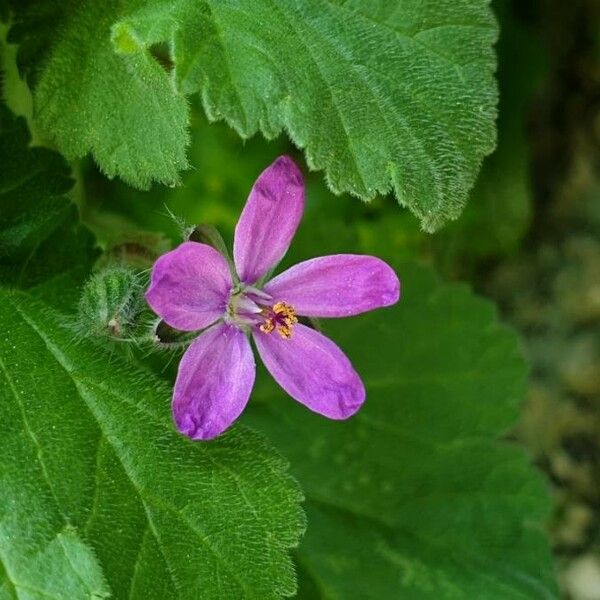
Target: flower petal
313,371
190,286
214,381
269,220
336,286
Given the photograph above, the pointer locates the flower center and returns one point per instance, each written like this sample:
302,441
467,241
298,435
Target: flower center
281,317
250,307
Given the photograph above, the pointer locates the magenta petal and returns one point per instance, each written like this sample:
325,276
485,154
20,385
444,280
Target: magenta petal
269,220
190,286
336,286
312,370
214,381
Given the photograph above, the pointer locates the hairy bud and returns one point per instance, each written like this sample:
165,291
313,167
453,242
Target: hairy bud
110,303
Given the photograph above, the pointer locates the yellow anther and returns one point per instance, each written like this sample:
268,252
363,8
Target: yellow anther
285,331
284,309
267,326
283,318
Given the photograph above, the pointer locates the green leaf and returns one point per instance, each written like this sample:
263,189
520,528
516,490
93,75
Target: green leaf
415,497
92,473
125,110
399,95
64,567
43,247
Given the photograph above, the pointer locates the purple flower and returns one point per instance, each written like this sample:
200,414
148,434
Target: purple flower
192,288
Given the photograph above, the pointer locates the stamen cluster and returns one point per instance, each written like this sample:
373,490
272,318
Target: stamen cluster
281,317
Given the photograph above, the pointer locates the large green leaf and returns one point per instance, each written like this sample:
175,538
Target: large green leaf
88,452
415,497
397,95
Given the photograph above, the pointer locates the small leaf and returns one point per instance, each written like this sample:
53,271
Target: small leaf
415,497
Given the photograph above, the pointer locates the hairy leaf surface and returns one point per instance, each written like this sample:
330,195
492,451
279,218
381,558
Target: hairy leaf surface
394,96
87,452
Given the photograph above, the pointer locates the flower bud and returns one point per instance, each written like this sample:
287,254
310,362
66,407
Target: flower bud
110,303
